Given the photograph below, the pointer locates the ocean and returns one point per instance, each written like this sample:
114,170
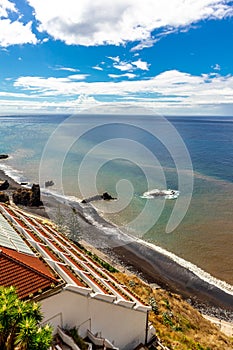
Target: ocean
128,156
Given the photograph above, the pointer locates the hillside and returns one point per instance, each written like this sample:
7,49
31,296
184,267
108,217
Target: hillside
178,325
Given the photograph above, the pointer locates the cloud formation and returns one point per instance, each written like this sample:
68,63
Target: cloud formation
6,6
127,75
141,64
171,89
129,66
69,69
101,22
13,32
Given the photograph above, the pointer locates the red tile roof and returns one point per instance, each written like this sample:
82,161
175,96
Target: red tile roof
66,256
27,273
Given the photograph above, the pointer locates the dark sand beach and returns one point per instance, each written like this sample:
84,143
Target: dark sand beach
152,266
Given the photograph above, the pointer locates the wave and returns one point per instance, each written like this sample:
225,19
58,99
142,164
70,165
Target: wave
203,275
156,193
128,238
14,174
60,197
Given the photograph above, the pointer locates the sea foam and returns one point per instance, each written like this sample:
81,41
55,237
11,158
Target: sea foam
157,193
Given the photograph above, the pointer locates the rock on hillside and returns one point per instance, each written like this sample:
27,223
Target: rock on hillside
4,184
4,198
28,197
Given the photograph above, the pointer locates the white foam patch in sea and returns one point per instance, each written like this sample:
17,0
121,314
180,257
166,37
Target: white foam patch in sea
157,193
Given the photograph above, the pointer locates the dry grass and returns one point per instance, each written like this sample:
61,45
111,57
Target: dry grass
178,325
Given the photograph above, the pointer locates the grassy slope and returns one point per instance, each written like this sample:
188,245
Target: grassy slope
178,325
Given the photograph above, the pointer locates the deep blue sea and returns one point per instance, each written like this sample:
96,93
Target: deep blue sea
128,156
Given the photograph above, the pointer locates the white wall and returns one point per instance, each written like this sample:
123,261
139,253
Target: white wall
124,327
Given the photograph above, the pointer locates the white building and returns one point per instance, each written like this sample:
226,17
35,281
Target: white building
73,288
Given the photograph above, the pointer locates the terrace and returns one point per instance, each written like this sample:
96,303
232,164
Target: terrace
73,263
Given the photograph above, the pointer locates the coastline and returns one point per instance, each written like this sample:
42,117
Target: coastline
152,266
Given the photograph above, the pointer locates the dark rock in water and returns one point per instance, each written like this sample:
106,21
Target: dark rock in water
23,183
49,183
106,196
4,185
4,156
4,198
97,197
28,197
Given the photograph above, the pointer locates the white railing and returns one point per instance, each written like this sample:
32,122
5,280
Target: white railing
69,341
100,341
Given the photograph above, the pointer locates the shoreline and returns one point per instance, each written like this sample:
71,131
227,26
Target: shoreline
150,265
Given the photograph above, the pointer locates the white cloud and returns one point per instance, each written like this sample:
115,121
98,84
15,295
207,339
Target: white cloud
216,67
67,69
97,68
6,6
78,76
123,66
14,33
88,23
174,88
143,65
129,66
128,75
145,44
115,59
20,105
171,92
14,94
84,102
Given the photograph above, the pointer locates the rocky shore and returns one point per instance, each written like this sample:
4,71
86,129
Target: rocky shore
153,267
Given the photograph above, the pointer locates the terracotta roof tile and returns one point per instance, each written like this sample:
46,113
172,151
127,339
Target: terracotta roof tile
28,274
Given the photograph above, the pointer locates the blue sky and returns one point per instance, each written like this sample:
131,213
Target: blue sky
175,57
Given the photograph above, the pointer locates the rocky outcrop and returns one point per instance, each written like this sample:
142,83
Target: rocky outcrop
49,183
4,184
4,156
105,196
4,198
28,197
35,196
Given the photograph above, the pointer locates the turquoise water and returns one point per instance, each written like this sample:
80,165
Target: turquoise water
127,169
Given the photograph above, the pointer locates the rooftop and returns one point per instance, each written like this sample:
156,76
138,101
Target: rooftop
19,270
58,258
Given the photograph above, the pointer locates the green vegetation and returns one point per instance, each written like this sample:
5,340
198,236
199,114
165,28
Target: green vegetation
178,325
98,260
73,333
104,264
19,323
